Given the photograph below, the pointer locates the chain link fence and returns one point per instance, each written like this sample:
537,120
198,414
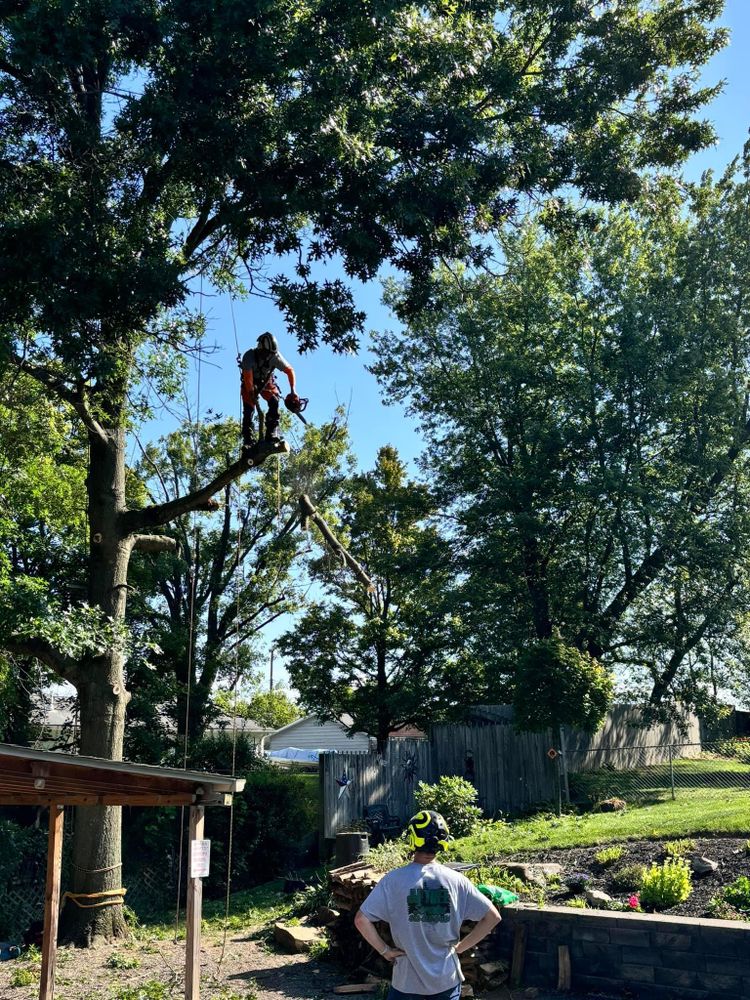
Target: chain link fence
655,773
151,893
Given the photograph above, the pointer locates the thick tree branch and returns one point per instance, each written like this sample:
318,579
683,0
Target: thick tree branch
135,521
309,511
43,651
155,543
55,383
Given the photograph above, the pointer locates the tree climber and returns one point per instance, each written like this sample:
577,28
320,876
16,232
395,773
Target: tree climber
257,367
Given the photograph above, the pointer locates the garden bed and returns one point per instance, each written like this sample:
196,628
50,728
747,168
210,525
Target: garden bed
731,853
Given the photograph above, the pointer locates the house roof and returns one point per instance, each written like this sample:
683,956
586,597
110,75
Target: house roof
344,722
44,777
60,715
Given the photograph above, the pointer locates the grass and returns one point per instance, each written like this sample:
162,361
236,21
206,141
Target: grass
699,808
249,910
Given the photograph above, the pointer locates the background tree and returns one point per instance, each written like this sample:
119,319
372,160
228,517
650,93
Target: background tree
143,144
587,421
272,709
201,612
42,534
390,657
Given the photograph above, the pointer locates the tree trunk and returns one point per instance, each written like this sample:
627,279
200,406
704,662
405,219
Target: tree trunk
384,715
103,700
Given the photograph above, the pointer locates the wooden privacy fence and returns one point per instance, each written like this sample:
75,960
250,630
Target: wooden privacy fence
352,781
511,771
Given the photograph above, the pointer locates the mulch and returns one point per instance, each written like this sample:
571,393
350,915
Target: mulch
730,853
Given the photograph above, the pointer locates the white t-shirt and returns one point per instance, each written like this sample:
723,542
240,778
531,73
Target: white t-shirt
425,906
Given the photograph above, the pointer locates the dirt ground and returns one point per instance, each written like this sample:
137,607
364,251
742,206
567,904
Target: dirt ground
251,970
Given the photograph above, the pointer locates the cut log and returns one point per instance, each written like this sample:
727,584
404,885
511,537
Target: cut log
297,938
492,969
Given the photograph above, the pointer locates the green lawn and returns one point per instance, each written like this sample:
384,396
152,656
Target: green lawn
711,797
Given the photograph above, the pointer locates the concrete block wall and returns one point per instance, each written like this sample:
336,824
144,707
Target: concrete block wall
638,955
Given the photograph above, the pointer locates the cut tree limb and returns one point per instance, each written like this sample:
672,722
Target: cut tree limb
309,511
155,543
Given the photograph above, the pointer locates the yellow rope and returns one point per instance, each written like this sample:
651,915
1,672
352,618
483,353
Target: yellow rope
75,896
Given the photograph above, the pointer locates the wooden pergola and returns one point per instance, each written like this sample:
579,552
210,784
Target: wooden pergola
44,778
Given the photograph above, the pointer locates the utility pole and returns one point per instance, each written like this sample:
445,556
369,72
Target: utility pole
270,681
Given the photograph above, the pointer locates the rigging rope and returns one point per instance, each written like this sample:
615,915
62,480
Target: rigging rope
193,579
239,580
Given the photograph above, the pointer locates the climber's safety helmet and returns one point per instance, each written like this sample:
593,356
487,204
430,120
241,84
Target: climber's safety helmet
428,832
267,342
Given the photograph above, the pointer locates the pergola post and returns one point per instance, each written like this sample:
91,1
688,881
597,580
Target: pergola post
193,919
52,902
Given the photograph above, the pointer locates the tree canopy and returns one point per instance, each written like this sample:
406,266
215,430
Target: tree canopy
587,421
391,657
145,144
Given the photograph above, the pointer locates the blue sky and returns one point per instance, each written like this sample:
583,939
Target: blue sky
330,380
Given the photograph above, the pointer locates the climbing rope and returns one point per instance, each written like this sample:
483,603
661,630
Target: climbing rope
74,897
191,624
239,579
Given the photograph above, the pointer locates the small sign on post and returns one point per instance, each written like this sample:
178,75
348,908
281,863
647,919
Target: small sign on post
200,858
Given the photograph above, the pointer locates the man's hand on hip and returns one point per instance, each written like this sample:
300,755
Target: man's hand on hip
391,954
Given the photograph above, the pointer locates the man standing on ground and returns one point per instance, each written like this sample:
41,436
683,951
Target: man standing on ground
425,904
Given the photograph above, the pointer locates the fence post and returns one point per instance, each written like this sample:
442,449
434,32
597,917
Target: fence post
671,767
564,756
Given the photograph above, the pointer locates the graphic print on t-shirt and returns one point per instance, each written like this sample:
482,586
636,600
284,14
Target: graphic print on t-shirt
430,904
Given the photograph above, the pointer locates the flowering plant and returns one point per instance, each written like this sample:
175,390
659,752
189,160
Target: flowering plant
634,902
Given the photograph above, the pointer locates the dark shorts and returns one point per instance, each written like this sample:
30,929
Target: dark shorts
452,994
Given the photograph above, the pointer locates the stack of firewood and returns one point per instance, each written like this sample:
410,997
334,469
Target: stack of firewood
351,885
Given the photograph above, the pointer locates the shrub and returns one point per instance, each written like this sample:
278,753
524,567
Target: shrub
627,878
320,948
720,909
608,856
389,855
455,799
737,893
579,902
666,884
310,899
578,881
556,684
499,876
679,848
733,749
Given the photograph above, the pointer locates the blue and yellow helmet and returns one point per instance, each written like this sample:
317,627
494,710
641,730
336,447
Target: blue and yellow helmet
428,832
